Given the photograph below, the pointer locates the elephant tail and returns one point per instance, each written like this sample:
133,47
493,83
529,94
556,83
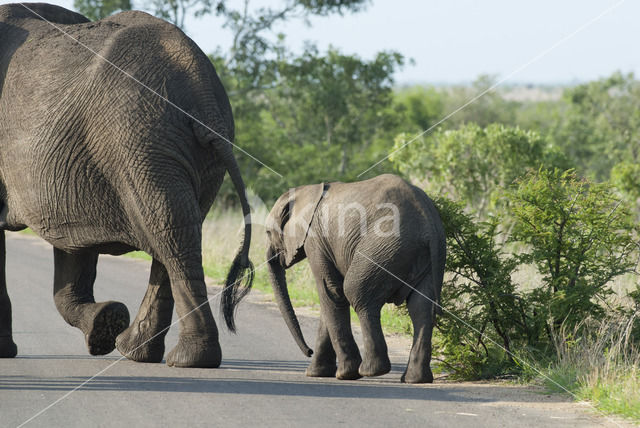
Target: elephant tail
240,276
438,255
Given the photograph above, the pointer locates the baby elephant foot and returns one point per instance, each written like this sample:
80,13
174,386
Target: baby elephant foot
138,347
376,366
8,348
321,369
417,375
195,351
109,320
349,370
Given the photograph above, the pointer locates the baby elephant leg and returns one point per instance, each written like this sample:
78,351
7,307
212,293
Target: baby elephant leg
8,348
338,322
323,363
336,319
74,275
375,360
422,317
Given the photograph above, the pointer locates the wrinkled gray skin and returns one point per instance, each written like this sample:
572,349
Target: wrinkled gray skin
354,263
95,163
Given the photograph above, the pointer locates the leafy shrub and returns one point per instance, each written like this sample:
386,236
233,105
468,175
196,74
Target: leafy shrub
472,164
580,236
483,313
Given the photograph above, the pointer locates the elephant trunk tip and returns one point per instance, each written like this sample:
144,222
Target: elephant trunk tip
308,352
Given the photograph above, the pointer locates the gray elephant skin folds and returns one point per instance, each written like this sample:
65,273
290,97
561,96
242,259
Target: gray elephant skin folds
368,243
95,157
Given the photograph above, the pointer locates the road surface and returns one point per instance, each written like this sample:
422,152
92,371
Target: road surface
261,381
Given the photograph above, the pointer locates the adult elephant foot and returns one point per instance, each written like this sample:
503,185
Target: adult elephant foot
8,348
378,365
108,321
417,375
143,341
101,323
195,351
132,344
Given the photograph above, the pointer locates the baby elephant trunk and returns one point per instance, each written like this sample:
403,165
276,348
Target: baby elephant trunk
279,284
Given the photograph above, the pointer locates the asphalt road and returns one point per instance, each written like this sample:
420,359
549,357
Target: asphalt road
261,381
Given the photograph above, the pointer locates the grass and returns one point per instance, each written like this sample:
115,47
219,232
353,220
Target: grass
599,364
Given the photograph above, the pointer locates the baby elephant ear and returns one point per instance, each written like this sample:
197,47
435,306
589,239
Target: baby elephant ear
303,202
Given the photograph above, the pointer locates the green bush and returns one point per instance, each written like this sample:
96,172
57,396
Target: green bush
579,235
483,313
472,164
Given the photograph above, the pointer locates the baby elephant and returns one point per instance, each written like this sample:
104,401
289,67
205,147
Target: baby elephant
368,243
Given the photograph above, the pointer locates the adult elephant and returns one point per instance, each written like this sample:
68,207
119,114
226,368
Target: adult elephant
116,135
368,243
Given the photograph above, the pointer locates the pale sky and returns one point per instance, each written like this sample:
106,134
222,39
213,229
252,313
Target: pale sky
454,41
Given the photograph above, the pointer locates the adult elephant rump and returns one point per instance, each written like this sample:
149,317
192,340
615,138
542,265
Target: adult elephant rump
116,135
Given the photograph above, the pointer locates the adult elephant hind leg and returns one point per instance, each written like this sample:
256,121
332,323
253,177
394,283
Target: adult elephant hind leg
143,341
423,319
8,348
198,344
74,275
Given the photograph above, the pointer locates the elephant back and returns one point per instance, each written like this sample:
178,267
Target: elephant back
15,13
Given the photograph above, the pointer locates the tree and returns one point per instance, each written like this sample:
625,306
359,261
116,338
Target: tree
472,164
625,176
580,236
424,106
324,117
246,23
98,9
488,105
176,11
485,320
601,124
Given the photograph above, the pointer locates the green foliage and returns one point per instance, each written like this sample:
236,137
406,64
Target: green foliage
98,9
625,176
324,117
472,164
601,125
484,317
424,107
483,105
579,235
176,11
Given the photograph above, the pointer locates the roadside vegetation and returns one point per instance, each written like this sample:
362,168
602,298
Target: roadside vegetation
539,189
